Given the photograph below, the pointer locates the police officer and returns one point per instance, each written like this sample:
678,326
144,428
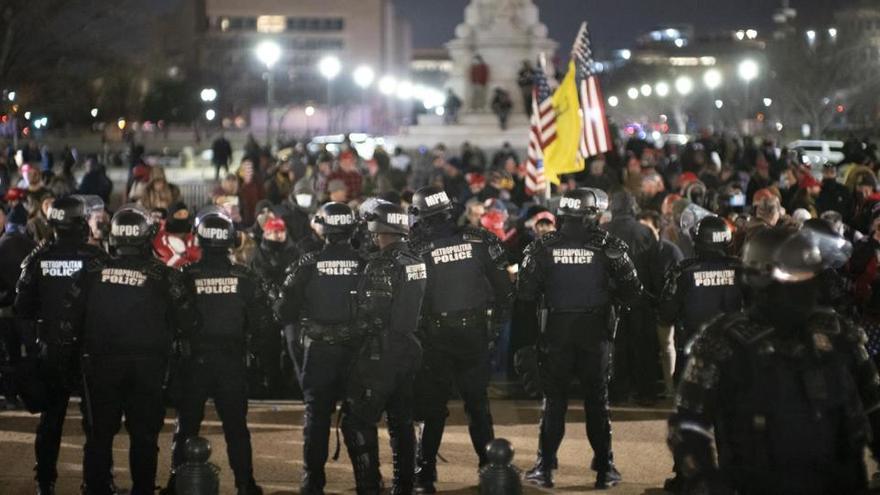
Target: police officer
46,277
122,317
460,320
700,288
577,274
389,299
787,386
318,303
235,314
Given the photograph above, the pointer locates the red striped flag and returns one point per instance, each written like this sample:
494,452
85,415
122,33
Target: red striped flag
596,138
542,132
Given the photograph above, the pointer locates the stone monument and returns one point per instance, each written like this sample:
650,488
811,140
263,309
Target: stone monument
504,33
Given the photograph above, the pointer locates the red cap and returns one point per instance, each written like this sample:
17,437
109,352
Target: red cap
274,224
686,178
807,181
141,172
475,179
544,215
15,194
493,221
763,195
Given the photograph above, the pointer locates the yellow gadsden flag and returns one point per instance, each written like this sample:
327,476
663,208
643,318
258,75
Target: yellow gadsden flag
561,156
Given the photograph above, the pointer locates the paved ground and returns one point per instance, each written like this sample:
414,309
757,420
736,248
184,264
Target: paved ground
638,443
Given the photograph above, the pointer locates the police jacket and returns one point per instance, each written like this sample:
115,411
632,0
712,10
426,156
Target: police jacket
14,248
234,307
46,277
699,289
792,412
390,293
467,271
322,285
578,269
129,306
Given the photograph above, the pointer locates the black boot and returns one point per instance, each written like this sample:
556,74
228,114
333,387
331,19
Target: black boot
426,476
248,488
170,487
364,453
403,451
607,477
540,475
312,483
46,488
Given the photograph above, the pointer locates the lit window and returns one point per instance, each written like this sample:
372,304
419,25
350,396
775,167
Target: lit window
271,23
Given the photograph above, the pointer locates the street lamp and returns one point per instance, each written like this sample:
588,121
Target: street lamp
405,90
719,104
662,89
364,76
684,85
387,85
633,93
613,101
748,70
646,90
712,79
330,67
208,95
210,114
811,36
768,102
269,53
94,113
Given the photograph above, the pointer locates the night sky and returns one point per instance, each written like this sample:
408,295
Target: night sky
616,23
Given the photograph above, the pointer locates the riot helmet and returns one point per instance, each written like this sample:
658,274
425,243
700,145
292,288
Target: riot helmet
778,256
712,235
586,203
430,201
132,226
214,228
69,217
834,248
334,219
388,219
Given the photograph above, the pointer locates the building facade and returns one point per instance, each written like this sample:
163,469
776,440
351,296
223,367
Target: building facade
356,31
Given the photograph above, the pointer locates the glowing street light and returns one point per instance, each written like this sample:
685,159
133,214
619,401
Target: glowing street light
94,113
208,95
405,90
613,101
719,104
832,32
210,114
269,53
330,67
387,85
811,36
633,93
121,123
11,95
310,111
768,102
646,90
748,70
712,79
684,85
662,89
364,76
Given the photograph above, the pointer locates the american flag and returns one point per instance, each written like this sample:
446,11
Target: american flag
542,132
596,138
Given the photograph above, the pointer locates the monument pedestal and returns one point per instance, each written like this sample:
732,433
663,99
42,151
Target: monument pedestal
504,33
478,128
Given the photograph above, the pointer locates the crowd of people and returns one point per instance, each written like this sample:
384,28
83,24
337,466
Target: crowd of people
384,283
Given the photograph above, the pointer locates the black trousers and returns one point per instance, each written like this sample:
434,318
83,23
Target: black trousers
130,387
460,357
47,444
10,356
325,371
222,377
579,345
636,350
380,384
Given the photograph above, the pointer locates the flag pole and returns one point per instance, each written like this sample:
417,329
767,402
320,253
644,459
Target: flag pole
542,62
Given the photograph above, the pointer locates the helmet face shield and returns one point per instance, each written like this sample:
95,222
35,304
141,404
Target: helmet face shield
214,228
132,226
778,256
430,201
